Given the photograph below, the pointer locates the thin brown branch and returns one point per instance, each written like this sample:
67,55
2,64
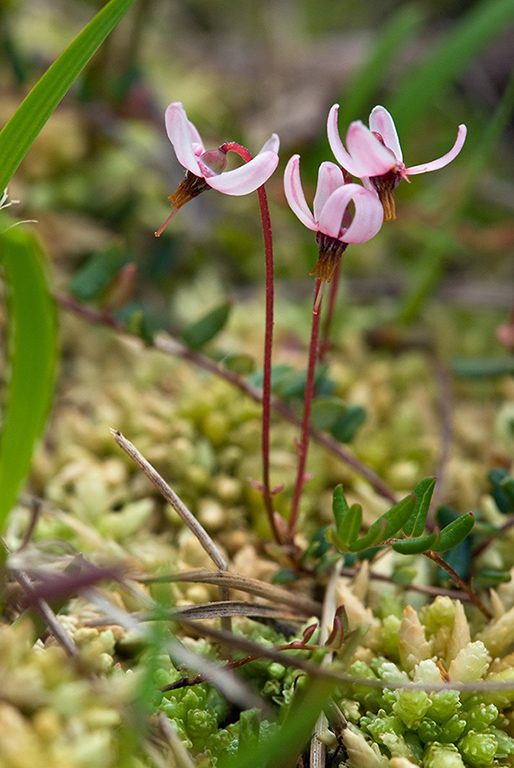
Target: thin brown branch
300,603
180,508
459,582
47,614
172,347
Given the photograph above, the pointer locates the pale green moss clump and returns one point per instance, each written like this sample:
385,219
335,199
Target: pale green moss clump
447,728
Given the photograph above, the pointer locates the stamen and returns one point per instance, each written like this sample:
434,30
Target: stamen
385,186
330,251
161,229
189,188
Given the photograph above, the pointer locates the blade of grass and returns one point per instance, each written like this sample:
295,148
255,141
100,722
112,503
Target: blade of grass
285,746
431,259
357,98
32,350
421,86
19,133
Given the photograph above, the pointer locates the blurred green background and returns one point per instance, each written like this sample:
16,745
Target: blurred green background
99,174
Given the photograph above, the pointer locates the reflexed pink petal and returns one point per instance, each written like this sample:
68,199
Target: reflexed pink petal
294,193
434,165
336,145
247,178
367,219
196,139
273,144
331,216
179,133
381,121
330,178
369,156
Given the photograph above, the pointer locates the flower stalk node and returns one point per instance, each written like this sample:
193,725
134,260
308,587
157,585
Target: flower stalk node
189,188
330,251
385,186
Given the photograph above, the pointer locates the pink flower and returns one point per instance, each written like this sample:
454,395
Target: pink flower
204,169
374,154
332,221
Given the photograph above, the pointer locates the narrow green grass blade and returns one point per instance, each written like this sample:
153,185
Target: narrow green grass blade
32,350
427,275
284,748
359,96
17,136
419,89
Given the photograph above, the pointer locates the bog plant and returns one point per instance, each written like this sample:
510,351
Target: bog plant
412,690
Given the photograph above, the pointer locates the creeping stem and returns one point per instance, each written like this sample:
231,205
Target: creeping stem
268,341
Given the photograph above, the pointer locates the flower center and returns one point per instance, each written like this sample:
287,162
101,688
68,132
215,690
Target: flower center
214,161
189,188
330,251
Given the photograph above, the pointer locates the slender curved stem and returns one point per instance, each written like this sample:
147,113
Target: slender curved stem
303,445
325,343
267,494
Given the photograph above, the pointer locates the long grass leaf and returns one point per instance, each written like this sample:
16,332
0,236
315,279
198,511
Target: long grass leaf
359,95
32,351
19,133
421,86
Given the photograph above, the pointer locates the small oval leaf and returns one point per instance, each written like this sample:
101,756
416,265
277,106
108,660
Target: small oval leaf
415,525
387,524
455,532
197,334
415,546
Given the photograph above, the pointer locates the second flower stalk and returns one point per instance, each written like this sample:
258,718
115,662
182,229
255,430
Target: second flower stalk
374,156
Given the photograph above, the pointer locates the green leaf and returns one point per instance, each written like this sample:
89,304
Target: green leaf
239,363
487,579
345,428
326,411
348,518
94,276
32,350
420,88
340,506
483,368
197,334
415,546
415,525
387,524
454,533
285,746
19,133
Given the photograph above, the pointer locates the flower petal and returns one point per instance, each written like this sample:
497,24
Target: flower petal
445,159
273,144
367,220
381,122
330,178
294,193
182,137
248,177
336,145
369,156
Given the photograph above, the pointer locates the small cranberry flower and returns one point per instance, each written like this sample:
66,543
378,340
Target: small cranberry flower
205,169
375,156
334,226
